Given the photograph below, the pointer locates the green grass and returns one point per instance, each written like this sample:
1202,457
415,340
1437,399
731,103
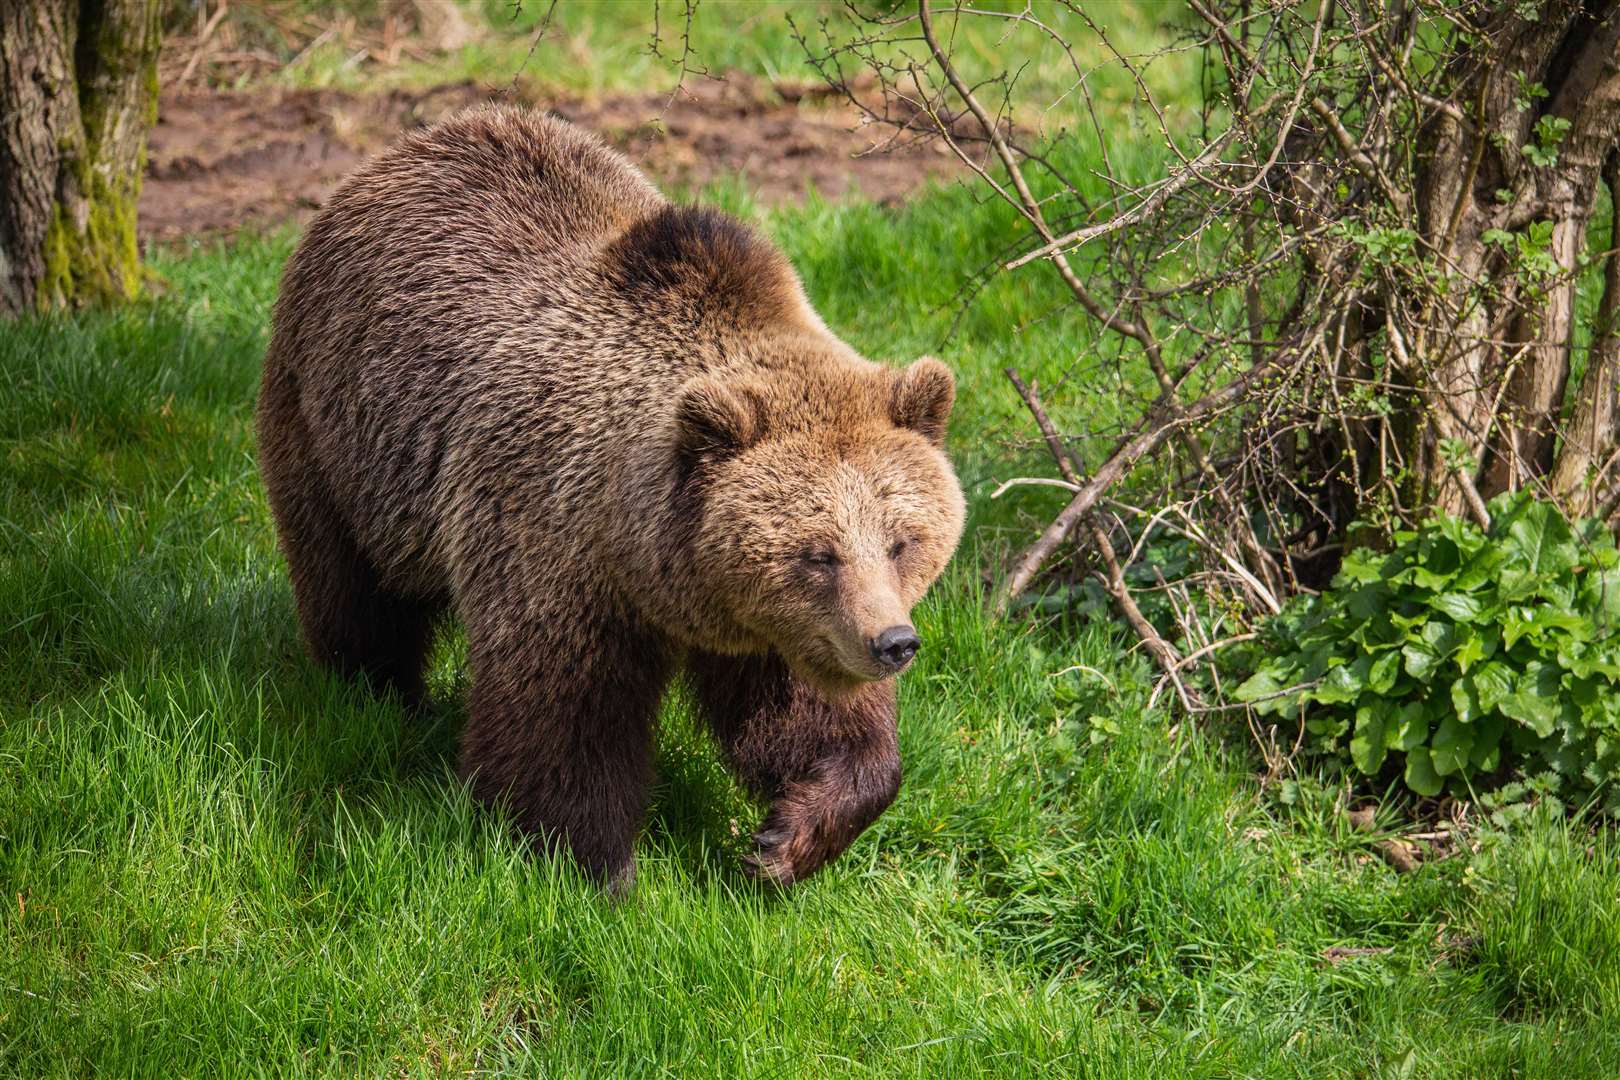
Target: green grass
216,860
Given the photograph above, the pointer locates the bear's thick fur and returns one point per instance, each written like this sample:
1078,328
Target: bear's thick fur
510,379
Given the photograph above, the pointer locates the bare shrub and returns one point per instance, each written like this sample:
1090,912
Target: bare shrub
1355,288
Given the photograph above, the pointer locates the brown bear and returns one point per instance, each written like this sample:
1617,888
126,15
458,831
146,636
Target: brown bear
509,378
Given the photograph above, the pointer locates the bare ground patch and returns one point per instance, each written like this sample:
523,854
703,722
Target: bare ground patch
222,160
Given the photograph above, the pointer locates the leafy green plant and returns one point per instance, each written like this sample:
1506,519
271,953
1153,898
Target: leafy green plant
1550,131
1529,91
1459,653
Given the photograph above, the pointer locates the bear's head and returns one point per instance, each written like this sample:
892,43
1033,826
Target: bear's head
828,507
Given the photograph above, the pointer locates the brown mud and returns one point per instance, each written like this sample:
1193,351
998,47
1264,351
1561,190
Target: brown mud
219,160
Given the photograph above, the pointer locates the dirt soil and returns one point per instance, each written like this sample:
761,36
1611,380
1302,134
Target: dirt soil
220,160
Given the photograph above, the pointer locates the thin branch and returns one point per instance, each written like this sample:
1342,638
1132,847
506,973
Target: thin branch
1164,654
1143,210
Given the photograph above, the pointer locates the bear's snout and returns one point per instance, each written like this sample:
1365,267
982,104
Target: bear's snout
894,647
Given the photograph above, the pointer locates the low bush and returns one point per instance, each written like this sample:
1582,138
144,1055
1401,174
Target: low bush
1460,653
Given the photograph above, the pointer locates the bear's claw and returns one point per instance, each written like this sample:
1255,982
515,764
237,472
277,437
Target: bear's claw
771,861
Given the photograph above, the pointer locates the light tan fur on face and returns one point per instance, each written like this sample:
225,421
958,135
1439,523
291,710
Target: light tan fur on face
827,530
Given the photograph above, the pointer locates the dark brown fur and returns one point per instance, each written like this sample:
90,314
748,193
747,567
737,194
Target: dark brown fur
829,768
509,379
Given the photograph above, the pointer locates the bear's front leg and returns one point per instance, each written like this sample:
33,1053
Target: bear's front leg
829,767
559,728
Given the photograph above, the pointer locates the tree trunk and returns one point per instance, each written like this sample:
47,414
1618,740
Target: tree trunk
78,91
1587,95
1587,463
1497,359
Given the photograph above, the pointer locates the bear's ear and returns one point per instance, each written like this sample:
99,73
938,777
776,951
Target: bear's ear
921,398
715,417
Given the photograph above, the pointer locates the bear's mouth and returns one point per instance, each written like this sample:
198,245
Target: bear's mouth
828,669
835,685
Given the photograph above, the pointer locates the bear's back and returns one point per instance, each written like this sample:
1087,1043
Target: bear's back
503,182
393,311
445,228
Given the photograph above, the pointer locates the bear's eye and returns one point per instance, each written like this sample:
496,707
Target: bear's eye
821,558
898,549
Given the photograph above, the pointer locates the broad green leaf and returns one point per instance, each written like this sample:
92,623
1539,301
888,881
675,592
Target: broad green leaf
1546,621
1367,603
1440,634
1517,621
1421,660
1360,567
1424,577
1439,554
1587,694
1411,727
1327,726
1478,643
1587,659
1482,570
1368,747
1465,699
1420,774
1482,690
1262,683
1381,675
1462,532
1516,585
1434,642
1315,661
1451,746
1541,537
1487,752
1603,592
1344,683
1378,632
1536,701
1463,607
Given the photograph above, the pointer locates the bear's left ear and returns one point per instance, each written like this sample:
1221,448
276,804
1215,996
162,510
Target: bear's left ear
921,398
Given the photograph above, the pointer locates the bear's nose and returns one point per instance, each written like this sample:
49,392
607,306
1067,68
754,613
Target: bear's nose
895,647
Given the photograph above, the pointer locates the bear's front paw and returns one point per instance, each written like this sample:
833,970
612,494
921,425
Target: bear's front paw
796,840
817,818
773,860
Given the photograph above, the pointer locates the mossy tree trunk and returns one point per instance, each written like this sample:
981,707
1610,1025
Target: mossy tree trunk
78,91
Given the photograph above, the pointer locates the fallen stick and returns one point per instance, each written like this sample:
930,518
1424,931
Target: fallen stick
202,44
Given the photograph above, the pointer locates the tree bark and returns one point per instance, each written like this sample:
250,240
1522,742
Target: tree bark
1456,356
78,91
1584,76
1587,460
1497,358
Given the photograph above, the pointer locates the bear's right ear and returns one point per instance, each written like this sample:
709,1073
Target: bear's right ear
921,398
715,417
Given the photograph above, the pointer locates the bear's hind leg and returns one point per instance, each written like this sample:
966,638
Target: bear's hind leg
560,725
355,626
829,767
350,622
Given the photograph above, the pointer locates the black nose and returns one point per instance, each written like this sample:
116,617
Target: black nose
895,647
